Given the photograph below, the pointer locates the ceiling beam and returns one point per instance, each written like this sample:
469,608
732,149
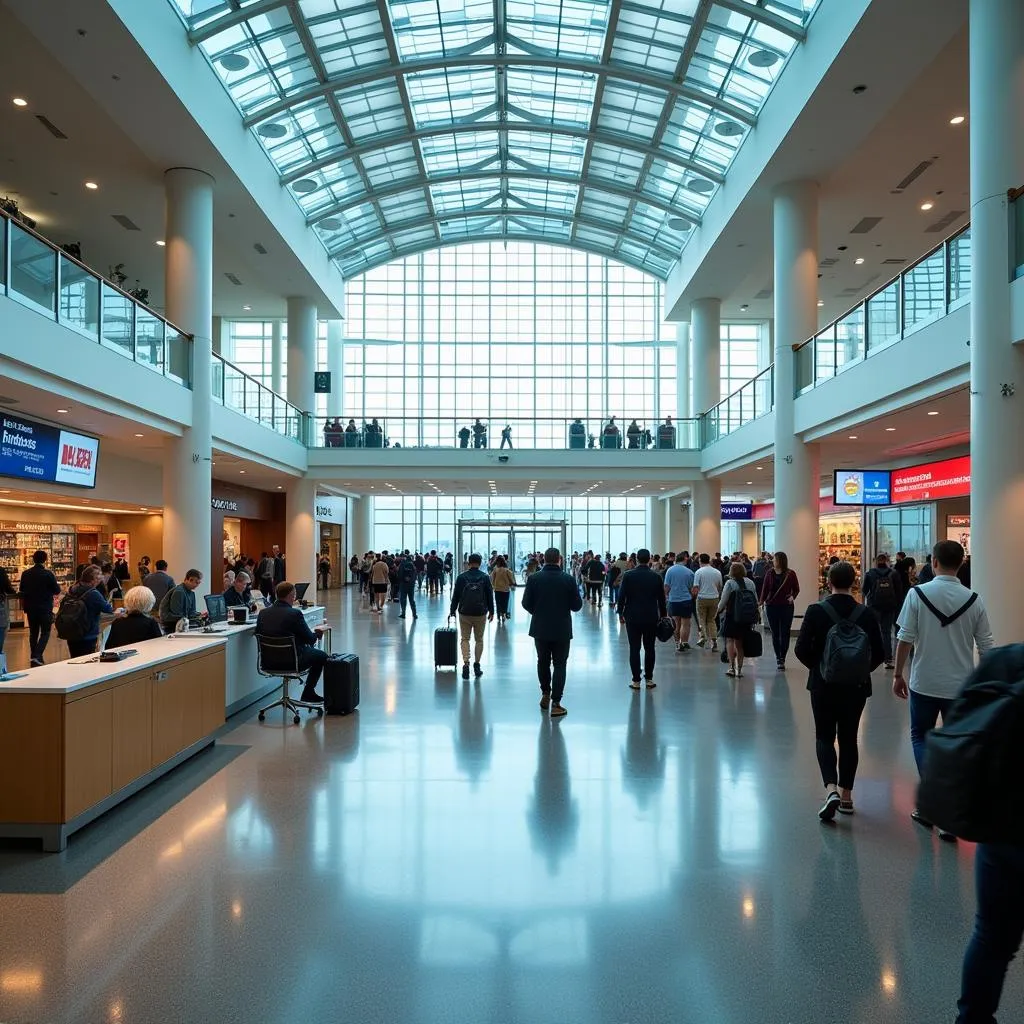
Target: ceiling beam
766,17
232,18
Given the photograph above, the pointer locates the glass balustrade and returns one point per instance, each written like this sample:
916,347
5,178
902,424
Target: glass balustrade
37,274
1017,232
244,394
743,406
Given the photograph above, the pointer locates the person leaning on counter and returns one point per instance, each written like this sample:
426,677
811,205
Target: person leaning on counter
137,624
96,605
239,594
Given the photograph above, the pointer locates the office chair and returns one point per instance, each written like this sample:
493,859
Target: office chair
281,651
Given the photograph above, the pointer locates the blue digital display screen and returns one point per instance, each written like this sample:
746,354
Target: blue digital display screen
862,487
39,451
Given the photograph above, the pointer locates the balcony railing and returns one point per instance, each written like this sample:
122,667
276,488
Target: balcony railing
524,432
1017,230
936,284
34,272
750,402
235,389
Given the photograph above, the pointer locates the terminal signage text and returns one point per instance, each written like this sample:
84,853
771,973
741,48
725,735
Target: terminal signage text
38,451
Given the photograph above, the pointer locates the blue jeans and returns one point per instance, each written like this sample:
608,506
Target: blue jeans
924,713
998,929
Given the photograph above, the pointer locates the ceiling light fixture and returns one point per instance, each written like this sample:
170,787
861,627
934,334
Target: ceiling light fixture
160,242
821,302
890,430
91,185
242,471
750,483
933,412
679,224
247,309
234,62
859,260
853,437
927,205
744,307
959,119
139,435
19,102
62,410
763,58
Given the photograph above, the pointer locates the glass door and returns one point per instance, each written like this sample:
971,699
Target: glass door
482,539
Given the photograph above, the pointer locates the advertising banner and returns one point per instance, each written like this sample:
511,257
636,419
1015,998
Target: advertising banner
861,487
737,511
950,478
38,451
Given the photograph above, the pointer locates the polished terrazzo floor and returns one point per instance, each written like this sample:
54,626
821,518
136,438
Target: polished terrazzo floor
448,854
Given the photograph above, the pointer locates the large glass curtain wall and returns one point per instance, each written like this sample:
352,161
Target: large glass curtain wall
423,523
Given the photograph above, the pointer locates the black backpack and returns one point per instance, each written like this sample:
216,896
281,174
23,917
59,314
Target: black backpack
407,572
744,605
883,593
968,762
846,660
472,601
72,619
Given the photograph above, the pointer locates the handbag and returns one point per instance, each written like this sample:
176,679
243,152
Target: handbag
753,646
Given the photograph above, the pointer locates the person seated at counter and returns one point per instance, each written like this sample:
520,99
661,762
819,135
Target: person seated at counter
95,605
137,624
283,619
180,602
239,594
229,578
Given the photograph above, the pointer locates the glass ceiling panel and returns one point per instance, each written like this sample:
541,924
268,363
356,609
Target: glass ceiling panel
385,131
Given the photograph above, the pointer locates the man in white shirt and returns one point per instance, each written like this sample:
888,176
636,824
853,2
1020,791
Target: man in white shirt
708,583
942,622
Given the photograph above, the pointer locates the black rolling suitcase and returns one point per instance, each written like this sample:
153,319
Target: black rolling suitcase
341,684
446,648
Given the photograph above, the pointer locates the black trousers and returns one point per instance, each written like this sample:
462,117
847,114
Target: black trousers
641,635
81,648
501,601
780,619
406,593
313,658
552,653
39,626
837,712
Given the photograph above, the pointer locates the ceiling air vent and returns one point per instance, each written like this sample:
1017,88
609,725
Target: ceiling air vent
234,280
126,222
943,222
913,175
864,225
50,127
829,261
260,249
766,292
894,261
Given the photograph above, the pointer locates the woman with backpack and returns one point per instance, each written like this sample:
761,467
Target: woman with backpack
779,589
739,605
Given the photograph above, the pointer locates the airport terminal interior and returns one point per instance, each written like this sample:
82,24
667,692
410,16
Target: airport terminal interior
287,283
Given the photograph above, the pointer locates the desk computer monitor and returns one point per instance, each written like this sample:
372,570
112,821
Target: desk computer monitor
300,590
217,608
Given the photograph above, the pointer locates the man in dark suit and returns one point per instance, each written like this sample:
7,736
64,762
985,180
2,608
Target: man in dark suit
641,604
551,596
283,619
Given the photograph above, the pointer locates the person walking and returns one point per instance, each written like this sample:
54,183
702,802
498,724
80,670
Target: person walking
779,589
593,577
38,587
708,581
503,580
380,580
942,622
841,645
680,589
551,596
473,603
506,435
883,594
641,604
738,604
407,576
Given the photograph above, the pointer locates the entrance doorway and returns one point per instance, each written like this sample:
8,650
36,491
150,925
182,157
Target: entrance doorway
516,538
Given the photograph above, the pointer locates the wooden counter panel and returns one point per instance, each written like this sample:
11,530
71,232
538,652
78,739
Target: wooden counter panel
31,762
132,733
88,752
183,704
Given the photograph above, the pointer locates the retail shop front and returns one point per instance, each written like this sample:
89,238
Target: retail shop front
245,521
332,540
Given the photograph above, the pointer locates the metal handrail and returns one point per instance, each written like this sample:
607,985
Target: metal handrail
718,421
271,409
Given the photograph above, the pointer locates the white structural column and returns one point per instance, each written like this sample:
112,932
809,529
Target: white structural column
217,335
997,365
656,538
677,516
362,525
797,465
683,370
706,353
189,298
301,352
301,541
336,364
706,516
277,356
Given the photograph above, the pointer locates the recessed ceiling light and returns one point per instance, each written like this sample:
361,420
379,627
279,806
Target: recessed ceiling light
272,130
241,471
91,185
927,205
248,309
19,102
305,185
959,119
853,437
279,487
62,410
890,430
139,435
763,58
859,260
744,306
757,467
160,242
821,302
143,508
749,483
933,412
234,62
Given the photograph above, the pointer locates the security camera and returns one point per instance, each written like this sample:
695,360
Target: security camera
503,458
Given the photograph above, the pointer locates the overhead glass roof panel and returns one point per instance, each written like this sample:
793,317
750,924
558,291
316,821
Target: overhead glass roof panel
597,121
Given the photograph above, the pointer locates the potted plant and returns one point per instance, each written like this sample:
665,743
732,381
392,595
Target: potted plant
116,275
10,206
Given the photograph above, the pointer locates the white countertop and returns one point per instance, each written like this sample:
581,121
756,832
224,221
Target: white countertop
67,677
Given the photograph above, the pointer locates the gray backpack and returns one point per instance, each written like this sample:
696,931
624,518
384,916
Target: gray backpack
846,660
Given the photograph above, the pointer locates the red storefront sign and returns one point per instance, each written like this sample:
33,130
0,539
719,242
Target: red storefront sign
826,506
950,478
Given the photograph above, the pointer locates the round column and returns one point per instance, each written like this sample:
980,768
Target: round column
657,533
336,364
706,353
706,516
301,352
277,357
997,164
362,524
188,234
301,540
683,370
797,465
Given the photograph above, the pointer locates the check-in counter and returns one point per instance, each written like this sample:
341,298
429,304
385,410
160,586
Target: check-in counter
78,738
